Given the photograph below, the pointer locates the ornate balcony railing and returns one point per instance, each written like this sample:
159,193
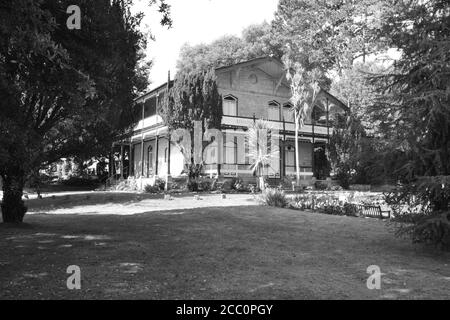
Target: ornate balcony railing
277,125
149,122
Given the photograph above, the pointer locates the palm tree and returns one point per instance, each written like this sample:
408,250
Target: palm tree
259,152
304,89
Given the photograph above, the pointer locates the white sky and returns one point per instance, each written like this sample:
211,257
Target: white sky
197,21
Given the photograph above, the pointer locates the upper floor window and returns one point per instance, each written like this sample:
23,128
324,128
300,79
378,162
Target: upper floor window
229,106
288,114
150,107
274,111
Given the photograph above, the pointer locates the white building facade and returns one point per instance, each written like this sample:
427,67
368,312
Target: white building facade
256,89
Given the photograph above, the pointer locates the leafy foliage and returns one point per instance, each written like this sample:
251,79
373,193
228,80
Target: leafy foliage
63,92
355,87
193,97
260,152
151,189
416,114
329,34
346,149
304,85
256,41
274,198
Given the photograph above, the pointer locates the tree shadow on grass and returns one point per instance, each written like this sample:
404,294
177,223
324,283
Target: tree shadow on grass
67,201
105,203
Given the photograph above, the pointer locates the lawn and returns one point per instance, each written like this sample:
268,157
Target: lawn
143,247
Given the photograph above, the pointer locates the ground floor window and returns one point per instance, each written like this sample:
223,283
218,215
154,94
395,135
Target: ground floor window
290,156
231,151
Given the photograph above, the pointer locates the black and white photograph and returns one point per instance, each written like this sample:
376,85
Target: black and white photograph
224,155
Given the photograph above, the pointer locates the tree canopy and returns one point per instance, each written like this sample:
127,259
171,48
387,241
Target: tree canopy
193,98
416,98
329,34
256,41
63,92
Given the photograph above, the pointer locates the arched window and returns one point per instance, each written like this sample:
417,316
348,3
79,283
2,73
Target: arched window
150,161
288,114
230,106
274,111
209,154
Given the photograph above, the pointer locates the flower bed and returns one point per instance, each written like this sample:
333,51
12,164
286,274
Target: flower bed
335,203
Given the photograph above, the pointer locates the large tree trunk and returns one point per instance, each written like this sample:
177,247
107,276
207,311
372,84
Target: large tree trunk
13,207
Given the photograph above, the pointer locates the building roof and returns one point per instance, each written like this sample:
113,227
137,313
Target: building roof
333,99
151,92
251,62
267,64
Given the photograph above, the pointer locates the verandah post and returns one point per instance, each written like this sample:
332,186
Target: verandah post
122,156
156,154
313,140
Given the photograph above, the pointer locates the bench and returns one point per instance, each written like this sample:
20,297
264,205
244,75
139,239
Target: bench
372,211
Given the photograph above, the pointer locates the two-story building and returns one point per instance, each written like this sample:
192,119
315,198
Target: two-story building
255,89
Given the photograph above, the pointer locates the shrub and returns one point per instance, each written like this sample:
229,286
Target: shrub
274,198
253,188
160,184
80,182
151,189
336,188
214,184
350,210
192,185
239,185
427,229
334,210
178,184
126,185
205,185
121,186
319,185
421,211
344,177
227,185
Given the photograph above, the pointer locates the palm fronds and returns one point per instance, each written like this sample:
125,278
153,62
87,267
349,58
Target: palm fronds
261,152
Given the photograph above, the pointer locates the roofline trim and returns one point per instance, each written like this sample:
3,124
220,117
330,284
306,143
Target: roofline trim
249,62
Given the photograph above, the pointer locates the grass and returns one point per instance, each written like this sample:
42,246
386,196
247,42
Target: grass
230,252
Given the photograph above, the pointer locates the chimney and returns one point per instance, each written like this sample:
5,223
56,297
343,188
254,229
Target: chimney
168,80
